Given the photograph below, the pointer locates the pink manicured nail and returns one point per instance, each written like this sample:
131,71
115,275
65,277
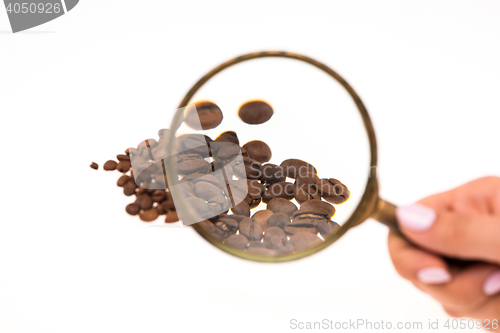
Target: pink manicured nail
492,284
433,275
416,217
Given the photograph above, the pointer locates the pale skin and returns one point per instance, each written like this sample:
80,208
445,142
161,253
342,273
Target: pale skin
467,225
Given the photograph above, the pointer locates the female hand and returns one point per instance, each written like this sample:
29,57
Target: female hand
461,223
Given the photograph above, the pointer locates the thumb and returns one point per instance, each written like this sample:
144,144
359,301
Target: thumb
466,236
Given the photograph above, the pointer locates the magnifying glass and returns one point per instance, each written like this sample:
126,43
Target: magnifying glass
316,118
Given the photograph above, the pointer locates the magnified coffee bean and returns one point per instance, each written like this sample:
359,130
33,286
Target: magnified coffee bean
231,223
279,220
133,209
255,112
272,173
298,226
228,136
190,163
206,115
315,207
307,180
250,229
262,217
303,241
281,189
148,215
327,228
236,241
172,217
241,209
109,165
333,190
275,238
303,194
258,150
94,165
281,205
122,180
294,167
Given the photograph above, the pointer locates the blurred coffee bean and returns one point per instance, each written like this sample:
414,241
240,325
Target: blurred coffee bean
282,205
306,180
303,241
255,189
252,168
262,217
207,190
250,229
255,112
94,165
294,167
281,189
123,166
272,173
299,226
275,238
109,165
304,193
172,217
148,215
190,163
279,220
333,191
206,115
123,180
327,228
228,136
122,157
225,151
231,223
236,241
133,209
315,207
159,195
129,188
258,150
241,209
144,202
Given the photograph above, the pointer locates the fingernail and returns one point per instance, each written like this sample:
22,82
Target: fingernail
416,217
433,275
492,284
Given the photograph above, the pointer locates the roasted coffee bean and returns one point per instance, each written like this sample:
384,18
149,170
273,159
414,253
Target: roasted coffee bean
191,163
129,188
237,241
207,190
333,190
206,115
252,168
250,229
275,238
231,223
303,194
141,191
123,180
148,215
298,226
279,220
315,207
212,230
144,202
122,157
307,180
228,136
255,112
165,206
258,150
255,189
282,205
171,217
241,209
302,241
294,167
272,173
133,209
94,165
222,226
109,165
159,195
281,190
262,217
194,144
327,228
225,151
254,203
200,207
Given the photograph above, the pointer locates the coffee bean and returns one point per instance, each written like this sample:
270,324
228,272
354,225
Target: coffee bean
94,165
299,226
250,229
237,241
306,180
133,209
206,115
333,191
191,163
327,228
148,215
262,217
225,151
171,217
228,136
123,180
272,173
144,201
303,241
122,157
231,223
212,230
255,112
315,207
294,167
303,194
159,195
241,209
109,165
194,144
200,207
282,205
279,220
274,238
129,188
281,189
258,150
207,190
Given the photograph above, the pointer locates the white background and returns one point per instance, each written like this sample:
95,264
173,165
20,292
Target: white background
72,92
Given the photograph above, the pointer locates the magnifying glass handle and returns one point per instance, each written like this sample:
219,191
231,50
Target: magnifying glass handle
386,214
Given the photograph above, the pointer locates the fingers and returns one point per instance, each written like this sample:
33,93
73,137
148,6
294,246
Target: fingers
467,236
